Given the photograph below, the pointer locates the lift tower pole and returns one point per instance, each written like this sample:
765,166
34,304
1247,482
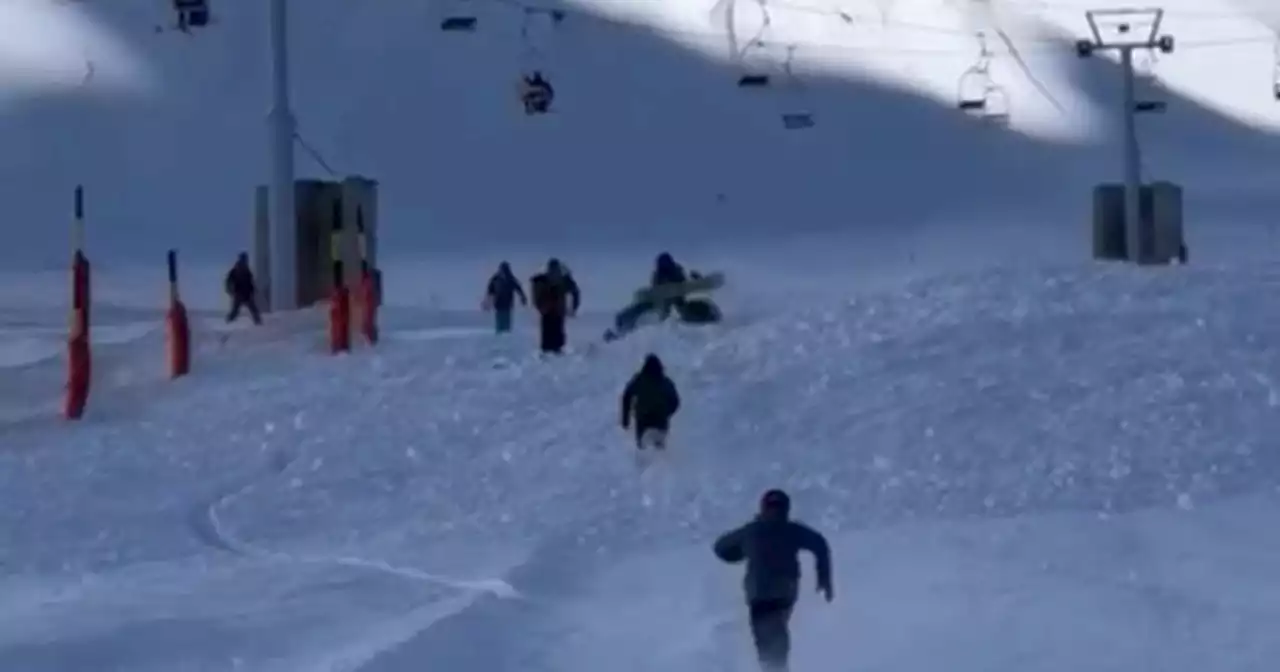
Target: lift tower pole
281,131
1113,31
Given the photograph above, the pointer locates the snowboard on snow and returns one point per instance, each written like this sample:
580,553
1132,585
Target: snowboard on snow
666,292
644,300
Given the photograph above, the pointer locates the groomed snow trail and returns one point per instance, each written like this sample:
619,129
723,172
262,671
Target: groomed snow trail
1070,392
119,560
1026,470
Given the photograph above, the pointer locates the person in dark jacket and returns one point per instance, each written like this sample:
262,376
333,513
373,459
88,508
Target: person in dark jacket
536,93
240,287
667,272
770,545
501,295
556,296
650,400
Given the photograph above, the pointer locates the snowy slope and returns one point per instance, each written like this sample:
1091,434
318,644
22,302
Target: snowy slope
1021,466
652,142
1042,470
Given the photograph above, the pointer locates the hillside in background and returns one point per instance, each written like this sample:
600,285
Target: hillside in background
651,140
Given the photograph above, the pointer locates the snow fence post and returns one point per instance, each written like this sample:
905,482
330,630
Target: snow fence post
79,357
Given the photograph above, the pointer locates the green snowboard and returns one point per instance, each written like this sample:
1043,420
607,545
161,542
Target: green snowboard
706,283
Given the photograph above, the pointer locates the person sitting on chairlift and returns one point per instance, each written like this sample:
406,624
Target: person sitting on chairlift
536,93
191,14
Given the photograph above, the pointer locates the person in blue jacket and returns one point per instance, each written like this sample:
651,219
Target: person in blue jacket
770,544
500,297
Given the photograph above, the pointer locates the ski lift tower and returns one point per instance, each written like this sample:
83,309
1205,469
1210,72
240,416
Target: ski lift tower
283,237
1113,30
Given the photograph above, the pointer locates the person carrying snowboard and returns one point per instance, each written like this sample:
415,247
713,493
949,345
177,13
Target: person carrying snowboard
500,297
651,399
667,272
770,545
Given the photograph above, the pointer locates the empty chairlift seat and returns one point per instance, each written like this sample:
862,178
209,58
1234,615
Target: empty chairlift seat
459,24
794,121
459,17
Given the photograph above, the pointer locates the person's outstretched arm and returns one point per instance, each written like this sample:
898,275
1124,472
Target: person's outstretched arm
811,540
524,298
729,547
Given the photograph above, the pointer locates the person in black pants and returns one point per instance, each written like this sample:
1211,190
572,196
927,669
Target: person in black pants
240,286
552,292
651,397
770,545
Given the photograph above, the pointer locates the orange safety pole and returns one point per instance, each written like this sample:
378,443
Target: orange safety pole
340,300
368,289
79,358
177,328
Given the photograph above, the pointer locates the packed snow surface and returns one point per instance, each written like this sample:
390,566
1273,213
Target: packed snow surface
1036,467
1050,469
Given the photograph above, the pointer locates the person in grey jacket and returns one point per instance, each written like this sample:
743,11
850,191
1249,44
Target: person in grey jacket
770,545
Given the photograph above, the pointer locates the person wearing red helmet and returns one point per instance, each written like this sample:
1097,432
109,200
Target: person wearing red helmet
770,544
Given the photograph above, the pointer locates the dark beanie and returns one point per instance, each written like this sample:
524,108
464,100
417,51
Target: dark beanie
776,500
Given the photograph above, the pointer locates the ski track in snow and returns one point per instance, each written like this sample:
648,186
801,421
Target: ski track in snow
212,531
209,528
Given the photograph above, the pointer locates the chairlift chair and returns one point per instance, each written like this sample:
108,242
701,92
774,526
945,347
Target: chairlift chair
1275,70
996,109
753,77
1149,87
974,86
459,24
1275,74
794,119
459,17
991,106
980,97
536,93
192,13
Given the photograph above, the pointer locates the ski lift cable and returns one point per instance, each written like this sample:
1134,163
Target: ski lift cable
757,40
819,11
1171,9
1028,72
314,154
1046,46
981,68
787,68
